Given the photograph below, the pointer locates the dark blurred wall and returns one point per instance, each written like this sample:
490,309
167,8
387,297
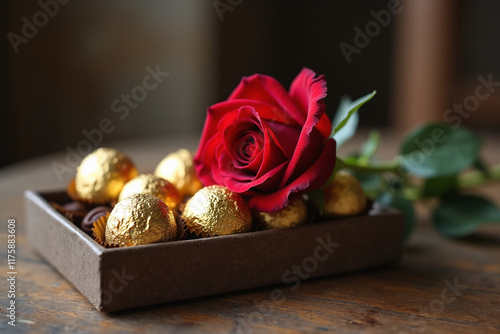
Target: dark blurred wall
64,80
280,37
77,69
6,131
479,55
86,57
480,29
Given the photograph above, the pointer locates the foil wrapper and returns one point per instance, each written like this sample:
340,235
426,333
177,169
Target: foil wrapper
102,175
216,210
344,196
99,230
296,213
153,185
182,230
140,219
178,168
92,216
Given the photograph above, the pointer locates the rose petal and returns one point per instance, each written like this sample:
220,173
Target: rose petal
269,160
310,180
206,154
310,152
234,136
307,92
232,128
265,182
285,136
266,89
246,148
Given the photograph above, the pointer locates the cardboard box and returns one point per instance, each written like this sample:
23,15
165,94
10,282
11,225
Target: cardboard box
121,278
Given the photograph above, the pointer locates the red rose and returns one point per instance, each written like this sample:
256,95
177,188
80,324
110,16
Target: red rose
267,143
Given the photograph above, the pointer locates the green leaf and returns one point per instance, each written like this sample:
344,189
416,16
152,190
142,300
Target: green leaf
370,147
402,204
346,119
439,150
393,182
351,159
352,163
438,186
371,182
349,127
460,215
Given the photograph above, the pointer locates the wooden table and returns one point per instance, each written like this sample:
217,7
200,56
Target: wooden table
412,296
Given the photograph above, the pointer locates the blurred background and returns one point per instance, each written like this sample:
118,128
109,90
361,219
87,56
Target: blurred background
69,65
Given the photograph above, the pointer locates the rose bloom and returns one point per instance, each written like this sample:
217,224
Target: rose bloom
266,143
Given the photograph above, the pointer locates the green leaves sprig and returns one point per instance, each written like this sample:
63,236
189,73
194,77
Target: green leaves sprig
432,163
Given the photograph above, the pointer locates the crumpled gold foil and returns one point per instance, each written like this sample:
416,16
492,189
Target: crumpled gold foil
154,185
178,168
344,196
99,229
293,215
140,219
216,210
102,175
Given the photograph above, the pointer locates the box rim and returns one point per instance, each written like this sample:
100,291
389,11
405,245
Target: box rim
37,197
377,210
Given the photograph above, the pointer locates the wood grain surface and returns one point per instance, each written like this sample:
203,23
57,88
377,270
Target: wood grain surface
440,285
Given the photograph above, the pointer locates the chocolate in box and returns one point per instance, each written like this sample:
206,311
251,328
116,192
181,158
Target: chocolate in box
114,279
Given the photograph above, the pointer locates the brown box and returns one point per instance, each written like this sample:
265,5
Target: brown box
120,278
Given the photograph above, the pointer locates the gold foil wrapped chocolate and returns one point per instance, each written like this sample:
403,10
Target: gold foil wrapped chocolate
216,210
154,185
293,215
140,219
102,175
178,168
344,196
